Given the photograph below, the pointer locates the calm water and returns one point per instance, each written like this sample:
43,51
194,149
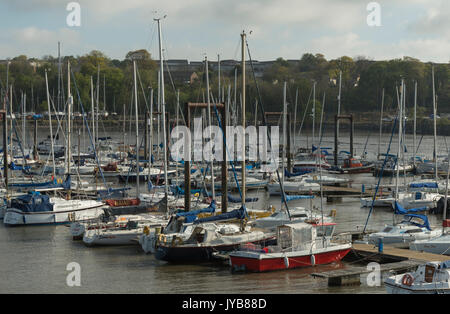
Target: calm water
34,259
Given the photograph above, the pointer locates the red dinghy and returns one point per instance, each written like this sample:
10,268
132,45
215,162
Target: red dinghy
298,245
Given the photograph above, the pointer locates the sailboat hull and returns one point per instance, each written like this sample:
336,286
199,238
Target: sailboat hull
196,254
15,217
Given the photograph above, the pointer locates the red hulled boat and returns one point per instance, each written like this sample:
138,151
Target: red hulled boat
299,245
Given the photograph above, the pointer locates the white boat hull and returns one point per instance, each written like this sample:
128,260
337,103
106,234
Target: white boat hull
15,217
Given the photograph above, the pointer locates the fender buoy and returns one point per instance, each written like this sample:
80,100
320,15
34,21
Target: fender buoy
286,262
313,260
407,280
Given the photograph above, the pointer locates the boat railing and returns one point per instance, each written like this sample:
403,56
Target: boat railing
341,238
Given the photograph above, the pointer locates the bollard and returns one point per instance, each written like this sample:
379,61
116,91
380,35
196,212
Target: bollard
380,245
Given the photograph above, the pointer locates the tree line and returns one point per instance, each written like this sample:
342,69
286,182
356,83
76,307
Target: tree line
362,83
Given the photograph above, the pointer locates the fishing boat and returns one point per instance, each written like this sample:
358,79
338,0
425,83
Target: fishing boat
298,245
35,208
429,278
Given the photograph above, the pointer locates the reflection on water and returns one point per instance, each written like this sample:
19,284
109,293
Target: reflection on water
34,259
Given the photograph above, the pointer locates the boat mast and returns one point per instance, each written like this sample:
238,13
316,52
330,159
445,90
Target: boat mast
295,119
137,128
93,112
381,123
163,114
176,124
284,132
50,123
24,110
210,125
218,65
243,117
151,129
415,123
434,126
96,109
400,127
339,103
69,123
313,113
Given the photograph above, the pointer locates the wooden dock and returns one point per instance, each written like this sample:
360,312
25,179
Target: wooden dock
393,252
352,275
400,260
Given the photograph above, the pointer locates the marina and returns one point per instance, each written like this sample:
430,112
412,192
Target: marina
151,175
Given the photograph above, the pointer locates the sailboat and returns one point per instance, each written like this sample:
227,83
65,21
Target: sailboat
35,208
440,244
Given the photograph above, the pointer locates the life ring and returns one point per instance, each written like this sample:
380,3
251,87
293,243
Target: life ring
177,241
407,280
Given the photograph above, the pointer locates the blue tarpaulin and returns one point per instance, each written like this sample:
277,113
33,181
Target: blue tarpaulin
233,199
429,185
192,215
400,210
234,214
32,202
425,224
298,197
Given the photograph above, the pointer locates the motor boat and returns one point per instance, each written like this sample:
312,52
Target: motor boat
429,278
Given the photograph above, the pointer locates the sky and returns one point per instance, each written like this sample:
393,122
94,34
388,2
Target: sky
193,29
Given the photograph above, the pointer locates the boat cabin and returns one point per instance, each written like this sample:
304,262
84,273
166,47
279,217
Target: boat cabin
352,163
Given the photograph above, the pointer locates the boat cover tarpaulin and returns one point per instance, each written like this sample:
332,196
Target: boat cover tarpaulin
300,172
400,210
429,185
425,224
32,202
190,216
179,191
298,197
233,199
240,213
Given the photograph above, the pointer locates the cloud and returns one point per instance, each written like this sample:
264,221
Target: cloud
435,21
350,44
37,42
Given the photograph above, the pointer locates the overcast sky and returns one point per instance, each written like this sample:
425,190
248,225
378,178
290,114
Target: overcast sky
195,28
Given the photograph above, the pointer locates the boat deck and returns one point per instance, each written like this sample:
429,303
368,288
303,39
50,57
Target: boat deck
403,260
